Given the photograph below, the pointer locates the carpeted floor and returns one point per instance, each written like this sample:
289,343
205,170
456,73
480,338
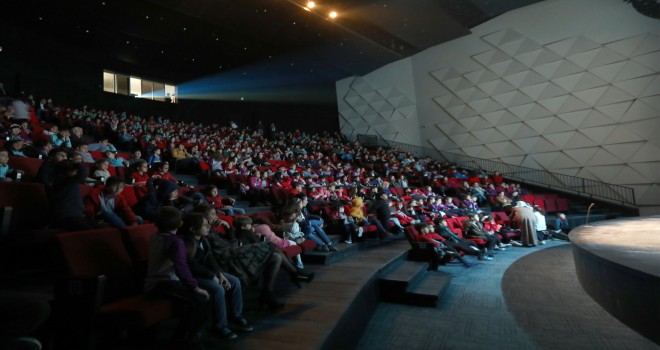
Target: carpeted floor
547,301
527,298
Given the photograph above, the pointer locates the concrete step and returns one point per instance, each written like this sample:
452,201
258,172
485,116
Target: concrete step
241,204
250,210
190,180
429,291
395,284
327,258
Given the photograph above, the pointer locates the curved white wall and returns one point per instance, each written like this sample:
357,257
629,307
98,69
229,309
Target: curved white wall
569,86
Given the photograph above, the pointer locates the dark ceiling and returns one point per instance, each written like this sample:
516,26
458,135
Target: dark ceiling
188,39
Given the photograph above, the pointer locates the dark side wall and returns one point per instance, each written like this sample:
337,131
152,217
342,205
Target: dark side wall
33,63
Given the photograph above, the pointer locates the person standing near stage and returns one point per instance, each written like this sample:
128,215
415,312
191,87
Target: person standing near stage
525,219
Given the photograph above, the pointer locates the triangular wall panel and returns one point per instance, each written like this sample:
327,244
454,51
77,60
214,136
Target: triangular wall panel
574,105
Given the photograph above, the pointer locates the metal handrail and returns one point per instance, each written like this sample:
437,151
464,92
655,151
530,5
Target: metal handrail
566,183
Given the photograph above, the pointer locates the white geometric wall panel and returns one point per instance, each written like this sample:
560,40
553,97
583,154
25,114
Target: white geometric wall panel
577,93
365,107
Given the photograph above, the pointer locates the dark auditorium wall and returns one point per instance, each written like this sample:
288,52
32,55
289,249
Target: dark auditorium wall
34,63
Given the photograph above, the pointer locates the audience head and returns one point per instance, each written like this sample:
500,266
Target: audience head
76,157
83,147
208,211
57,154
102,163
194,224
243,222
536,208
164,167
114,185
211,190
4,156
141,166
168,219
110,154
424,228
167,191
17,145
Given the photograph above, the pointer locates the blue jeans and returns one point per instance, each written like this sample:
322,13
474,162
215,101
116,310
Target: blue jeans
396,222
314,231
379,227
115,220
233,210
222,299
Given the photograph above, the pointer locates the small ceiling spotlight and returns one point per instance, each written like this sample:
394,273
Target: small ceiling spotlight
310,4
333,14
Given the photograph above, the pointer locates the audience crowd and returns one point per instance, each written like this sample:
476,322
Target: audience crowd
316,185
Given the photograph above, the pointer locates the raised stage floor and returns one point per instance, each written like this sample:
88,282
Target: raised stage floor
618,265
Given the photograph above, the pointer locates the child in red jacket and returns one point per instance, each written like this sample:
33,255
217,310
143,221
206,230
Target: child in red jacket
108,205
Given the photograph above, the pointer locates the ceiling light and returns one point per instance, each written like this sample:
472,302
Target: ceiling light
310,4
333,14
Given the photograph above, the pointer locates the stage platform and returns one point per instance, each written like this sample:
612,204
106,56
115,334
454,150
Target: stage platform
618,265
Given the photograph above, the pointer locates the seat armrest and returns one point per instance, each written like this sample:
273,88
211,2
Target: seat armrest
76,307
6,221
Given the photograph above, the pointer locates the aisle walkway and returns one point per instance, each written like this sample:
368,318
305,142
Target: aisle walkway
524,299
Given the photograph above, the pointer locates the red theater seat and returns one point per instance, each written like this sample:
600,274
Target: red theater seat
30,166
29,205
94,253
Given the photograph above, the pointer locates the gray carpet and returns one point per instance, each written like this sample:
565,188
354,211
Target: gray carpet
545,297
543,307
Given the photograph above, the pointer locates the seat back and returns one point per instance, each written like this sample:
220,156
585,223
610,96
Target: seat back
85,190
562,204
101,252
268,215
137,240
29,202
30,166
129,195
455,224
411,234
550,204
501,218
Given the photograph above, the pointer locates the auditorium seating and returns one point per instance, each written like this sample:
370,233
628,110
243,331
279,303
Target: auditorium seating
30,166
28,202
99,263
456,225
420,251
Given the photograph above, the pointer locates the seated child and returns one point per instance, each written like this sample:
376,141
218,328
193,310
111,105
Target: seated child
7,174
345,223
292,231
101,173
426,234
109,205
224,288
361,219
402,215
168,275
225,204
263,228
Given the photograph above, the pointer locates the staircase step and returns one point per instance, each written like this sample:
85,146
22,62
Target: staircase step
326,258
190,180
394,285
241,204
250,210
429,291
